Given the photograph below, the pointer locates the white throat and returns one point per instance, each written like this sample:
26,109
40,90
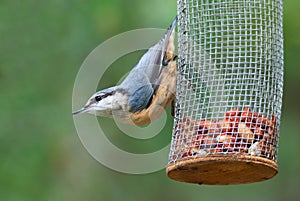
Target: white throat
114,106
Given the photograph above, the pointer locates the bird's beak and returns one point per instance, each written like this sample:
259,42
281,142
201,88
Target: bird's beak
81,110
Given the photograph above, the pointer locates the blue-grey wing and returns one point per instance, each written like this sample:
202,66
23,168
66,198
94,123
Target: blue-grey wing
152,61
143,79
138,88
141,98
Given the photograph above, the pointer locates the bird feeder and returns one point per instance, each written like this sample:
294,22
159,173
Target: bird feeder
229,91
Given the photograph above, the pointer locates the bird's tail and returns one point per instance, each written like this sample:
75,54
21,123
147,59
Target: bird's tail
159,55
169,32
170,36
172,26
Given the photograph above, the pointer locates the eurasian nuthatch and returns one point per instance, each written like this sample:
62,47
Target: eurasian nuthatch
147,90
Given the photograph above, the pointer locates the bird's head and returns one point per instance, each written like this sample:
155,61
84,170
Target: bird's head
105,103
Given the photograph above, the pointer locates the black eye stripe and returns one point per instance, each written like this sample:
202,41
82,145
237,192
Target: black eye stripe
100,97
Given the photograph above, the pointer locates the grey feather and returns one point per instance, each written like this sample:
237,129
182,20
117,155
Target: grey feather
146,73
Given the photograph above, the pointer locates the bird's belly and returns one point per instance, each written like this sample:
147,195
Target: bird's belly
164,95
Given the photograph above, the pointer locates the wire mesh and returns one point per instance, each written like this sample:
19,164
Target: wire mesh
231,53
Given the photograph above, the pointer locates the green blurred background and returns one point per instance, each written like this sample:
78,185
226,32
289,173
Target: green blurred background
43,44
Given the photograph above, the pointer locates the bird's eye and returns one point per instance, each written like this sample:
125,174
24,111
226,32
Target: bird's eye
98,98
